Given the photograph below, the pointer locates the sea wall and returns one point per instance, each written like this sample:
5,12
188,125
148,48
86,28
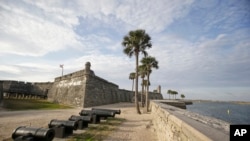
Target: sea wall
175,124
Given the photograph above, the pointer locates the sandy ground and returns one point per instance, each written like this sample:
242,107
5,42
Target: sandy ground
135,128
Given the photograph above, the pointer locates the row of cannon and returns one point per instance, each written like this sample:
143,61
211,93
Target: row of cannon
63,128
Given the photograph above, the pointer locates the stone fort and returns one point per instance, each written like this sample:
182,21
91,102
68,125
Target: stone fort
81,88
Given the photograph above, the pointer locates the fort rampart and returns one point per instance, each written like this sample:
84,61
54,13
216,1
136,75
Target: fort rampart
20,89
81,88
84,88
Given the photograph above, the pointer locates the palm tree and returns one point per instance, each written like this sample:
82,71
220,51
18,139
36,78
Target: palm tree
182,96
134,43
132,77
174,93
169,92
144,85
149,63
142,73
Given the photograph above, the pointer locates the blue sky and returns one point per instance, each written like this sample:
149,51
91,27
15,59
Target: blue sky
203,47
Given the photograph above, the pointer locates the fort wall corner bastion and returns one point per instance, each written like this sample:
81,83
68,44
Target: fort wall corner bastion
81,89
84,89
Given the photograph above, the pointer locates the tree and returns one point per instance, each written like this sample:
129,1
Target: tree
149,62
132,77
134,43
182,96
169,92
142,73
174,93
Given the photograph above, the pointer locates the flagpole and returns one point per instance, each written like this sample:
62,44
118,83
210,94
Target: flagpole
61,66
62,71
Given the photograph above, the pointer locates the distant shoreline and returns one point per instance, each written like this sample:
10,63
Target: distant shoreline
236,102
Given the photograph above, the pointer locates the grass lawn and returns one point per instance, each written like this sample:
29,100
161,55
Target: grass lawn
98,132
28,104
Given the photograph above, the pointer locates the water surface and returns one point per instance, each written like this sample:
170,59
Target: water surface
233,113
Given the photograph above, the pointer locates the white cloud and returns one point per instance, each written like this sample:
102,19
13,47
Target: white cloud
10,69
220,61
153,16
92,31
25,33
37,28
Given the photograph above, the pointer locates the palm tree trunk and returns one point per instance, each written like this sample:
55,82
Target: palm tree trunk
142,91
136,84
133,85
147,98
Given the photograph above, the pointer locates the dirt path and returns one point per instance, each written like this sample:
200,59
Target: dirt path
135,128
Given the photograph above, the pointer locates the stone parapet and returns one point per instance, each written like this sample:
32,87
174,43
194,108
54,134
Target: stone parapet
20,89
175,124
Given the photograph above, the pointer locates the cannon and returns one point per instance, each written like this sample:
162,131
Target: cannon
24,133
63,127
110,110
95,119
81,120
99,113
24,138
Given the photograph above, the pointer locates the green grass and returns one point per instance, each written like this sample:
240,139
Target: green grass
98,132
31,104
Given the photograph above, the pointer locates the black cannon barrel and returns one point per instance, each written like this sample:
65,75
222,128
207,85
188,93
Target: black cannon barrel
25,138
111,110
77,118
65,123
97,112
39,134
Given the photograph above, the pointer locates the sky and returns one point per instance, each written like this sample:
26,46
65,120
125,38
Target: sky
202,46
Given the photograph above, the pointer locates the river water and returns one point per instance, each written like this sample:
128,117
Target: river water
233,113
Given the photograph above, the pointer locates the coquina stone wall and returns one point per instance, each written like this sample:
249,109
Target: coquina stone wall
125,95
175,124
84,88
81,88
69,89
20,89
100,92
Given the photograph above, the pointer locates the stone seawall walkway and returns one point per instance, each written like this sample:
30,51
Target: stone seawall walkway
134,128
